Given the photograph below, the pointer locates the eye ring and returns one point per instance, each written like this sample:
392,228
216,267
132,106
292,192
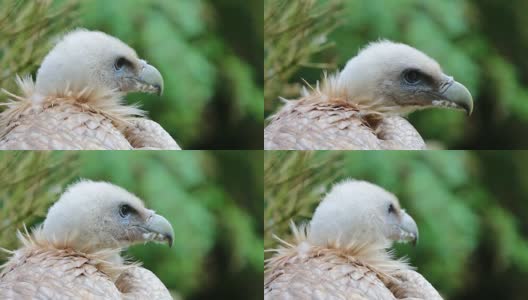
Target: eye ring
120,63
412,76
391,209
125,210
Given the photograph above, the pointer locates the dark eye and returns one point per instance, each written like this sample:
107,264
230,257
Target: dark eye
120,63
391,209
412,76
125,210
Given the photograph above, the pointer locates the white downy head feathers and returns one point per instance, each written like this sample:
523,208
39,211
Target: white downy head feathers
360,212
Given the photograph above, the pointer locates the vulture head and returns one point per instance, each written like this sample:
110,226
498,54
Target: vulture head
92,59
396,78
98,215
360,212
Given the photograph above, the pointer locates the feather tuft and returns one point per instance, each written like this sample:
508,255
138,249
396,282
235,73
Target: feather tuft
36,244
109,103
367,252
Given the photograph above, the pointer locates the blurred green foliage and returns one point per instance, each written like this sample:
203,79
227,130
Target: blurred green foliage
294,31
35,180
482,43
470,208
213,204
209,53
26,30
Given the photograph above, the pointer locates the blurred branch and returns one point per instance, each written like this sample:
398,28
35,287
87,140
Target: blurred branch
26,31
294,183
293,32
31,182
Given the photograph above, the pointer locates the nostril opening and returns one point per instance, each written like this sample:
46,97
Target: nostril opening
446,85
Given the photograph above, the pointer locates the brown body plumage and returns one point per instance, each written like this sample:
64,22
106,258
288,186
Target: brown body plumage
363,106
356,271
44,270
90,119
311,125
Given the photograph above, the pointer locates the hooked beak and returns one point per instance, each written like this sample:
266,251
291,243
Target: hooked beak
158,229
408,229
149,80
455,95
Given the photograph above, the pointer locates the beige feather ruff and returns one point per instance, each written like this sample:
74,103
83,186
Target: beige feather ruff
36,244
367,253
330,90
359,271
108,103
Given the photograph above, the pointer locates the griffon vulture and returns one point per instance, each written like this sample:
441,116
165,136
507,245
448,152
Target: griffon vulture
362,107
343,253
75,253
76,101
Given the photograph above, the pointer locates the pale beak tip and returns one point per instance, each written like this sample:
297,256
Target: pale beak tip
470,111
458,94
468,107
169,239
159,90
414,241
